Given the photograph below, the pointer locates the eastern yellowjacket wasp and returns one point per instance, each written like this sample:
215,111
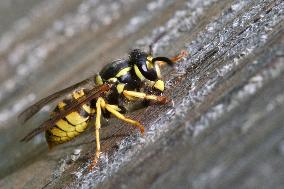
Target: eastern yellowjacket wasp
117,84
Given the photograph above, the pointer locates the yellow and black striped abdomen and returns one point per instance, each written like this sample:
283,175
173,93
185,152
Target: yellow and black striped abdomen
72,125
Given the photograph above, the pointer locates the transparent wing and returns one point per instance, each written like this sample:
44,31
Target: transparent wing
94,93
33,109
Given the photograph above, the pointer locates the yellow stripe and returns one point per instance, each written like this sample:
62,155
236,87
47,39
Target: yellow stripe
160,85
87,108
123,72
113,79
64,139
57,132
54,139
149,65
72,134
57,139
81,127
138,73
78,94
64,125
158,70
120,87
75,118
61,105
99,80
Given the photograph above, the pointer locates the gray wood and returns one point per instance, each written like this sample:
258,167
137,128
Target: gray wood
223,128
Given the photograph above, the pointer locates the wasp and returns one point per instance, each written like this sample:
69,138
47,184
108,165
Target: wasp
119,83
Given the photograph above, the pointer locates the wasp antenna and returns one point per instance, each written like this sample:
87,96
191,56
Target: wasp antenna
155,41
162,60
182,54
170,61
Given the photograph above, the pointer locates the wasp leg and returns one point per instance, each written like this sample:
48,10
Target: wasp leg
113,109
134,94
99,105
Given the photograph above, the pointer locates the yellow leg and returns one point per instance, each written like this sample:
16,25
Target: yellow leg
134,94
113,109
123,118
99,104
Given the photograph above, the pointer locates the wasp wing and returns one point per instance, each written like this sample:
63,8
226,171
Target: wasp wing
33,109
94,93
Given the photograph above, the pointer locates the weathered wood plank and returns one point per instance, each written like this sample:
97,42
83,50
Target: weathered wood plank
224,128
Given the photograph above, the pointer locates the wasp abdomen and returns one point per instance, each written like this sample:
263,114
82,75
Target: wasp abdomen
73,124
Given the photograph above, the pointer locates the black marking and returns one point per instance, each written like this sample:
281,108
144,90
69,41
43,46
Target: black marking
68,101
56,126
82,112
163,59
139,58
97,91
81,131
65,119
113,68
49,136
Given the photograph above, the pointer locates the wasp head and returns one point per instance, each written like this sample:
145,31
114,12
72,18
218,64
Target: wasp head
147,68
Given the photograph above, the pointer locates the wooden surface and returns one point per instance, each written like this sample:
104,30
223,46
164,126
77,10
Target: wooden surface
223,128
